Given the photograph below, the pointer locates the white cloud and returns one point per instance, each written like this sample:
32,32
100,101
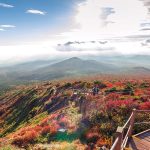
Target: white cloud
97,19
7,26
1,29
94,46
34,11
6,5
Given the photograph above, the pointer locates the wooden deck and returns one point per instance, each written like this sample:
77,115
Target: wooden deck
127,141
140,141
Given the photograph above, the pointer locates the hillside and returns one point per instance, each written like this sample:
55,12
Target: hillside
66,113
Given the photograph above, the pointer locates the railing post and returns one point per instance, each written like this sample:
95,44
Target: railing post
119,135
132,122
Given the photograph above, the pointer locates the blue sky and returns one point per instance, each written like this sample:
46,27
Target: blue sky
57,13
41,28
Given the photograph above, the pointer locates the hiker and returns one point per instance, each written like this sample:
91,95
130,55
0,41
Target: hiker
95,90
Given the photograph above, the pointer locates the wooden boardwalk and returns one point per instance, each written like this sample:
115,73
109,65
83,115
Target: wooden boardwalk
127,141
140,141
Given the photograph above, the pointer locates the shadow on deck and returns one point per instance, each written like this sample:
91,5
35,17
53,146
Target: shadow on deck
140,141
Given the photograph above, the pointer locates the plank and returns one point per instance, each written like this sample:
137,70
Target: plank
145,138
136,145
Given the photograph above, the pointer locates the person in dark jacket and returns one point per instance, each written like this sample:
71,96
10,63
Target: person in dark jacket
95,90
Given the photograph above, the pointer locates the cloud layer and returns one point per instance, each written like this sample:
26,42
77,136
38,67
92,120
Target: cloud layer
86,46
94,27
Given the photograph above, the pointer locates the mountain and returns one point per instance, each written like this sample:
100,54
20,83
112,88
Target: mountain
78,65
124,61
70,67
139,71
27,66
9,75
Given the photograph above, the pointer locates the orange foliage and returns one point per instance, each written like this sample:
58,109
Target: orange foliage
25,137
49,129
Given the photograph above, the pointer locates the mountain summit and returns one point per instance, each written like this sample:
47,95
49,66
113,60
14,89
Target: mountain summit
73,67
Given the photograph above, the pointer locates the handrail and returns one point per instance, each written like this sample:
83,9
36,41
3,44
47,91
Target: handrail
121,142
128,121
126,138
115,144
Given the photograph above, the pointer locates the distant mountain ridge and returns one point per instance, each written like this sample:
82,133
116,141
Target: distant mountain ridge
72,67
139,70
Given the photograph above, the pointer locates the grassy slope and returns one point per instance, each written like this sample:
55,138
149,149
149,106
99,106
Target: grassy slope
27,106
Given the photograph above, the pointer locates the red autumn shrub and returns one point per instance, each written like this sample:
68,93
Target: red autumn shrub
112,96
119,103
28,137
38,128
53,129
92,137
101,142
49,129
109,85
46,129
49,119
118,84
138,92
145,106
64,120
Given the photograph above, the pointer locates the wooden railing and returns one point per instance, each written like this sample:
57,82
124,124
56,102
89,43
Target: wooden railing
121,139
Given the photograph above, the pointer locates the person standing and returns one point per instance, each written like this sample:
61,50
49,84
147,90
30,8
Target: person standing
95,90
